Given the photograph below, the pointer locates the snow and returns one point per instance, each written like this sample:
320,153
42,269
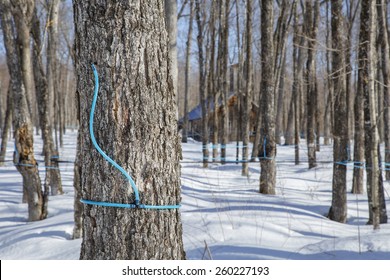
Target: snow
223,214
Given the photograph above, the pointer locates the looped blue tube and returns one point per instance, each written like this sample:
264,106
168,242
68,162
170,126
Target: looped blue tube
116,165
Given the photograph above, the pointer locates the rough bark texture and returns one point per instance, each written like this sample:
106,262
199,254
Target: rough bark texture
24,147
338,210
135,123
268,166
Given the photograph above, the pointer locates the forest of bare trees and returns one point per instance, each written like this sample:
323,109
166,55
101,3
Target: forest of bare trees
262,73
317,71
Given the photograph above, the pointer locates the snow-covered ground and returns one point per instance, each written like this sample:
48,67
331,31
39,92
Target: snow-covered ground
221,208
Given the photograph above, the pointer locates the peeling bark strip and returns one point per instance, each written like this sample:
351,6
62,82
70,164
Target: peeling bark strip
135,123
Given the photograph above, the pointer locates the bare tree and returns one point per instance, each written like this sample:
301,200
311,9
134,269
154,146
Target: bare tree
136,125
187,72
171,25
53,175
338,210
385,51
248,89
312,29
223,55
202,81
267,162
24,159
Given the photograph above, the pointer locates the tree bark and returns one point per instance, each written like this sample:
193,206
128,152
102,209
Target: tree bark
136,125
267,161
312,29
338,210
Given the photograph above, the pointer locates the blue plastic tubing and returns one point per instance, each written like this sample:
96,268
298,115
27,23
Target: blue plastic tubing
116,165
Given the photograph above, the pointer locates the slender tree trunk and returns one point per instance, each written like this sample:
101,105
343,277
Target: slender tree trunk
383,36
135,124
187,72
248,89
171,25
359,138
211,83
267,162
338,210
78,206
224,35
24,144
367,52
328,116
312,29
53,175
6,126
202,87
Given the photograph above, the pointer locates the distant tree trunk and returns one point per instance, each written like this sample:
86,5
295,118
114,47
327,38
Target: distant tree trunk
358,157
289,132
51,66
187,72
367,65
77,205
135,123
53,175
224,49
359,118
338,210
24,146
171,25
267,162
280,39
368,20
6,126
211,82
236,86
328,116
312,29
248,90
297,84
384,39
202,87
